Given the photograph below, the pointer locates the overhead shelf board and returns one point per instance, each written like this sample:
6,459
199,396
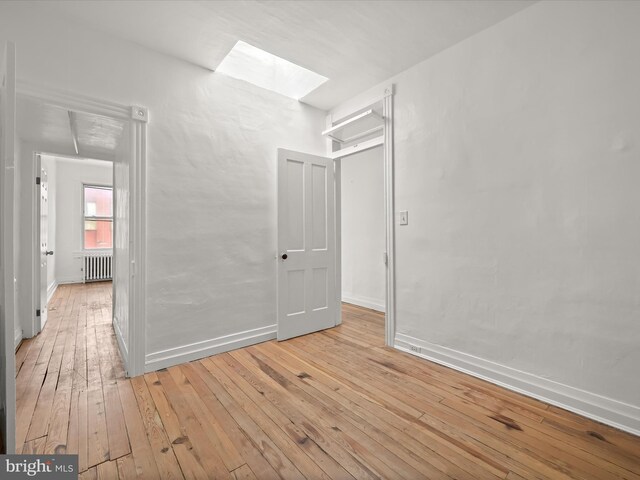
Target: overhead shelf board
356,127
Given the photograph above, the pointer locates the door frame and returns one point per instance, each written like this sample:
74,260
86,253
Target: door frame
8,304
382,94
135,118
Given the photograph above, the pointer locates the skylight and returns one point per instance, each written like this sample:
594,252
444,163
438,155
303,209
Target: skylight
265,70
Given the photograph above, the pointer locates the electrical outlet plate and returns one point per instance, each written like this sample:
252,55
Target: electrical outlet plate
415,349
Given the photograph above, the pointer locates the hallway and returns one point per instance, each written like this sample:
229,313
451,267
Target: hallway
334,404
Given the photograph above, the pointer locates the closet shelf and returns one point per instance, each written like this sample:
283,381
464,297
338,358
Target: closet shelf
358,147
361,125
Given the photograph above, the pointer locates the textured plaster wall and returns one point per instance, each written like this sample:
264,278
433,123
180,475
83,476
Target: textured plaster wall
518,158
363,228
211,171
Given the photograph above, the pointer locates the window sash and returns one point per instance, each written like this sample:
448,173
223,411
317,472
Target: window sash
86,186
94,218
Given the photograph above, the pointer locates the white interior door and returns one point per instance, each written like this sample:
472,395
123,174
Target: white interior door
7,289
307,299
44,245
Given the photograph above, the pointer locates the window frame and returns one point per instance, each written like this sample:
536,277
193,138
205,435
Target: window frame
95,218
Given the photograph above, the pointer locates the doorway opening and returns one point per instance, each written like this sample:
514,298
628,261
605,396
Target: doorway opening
309,225
82,161
360,138
74,231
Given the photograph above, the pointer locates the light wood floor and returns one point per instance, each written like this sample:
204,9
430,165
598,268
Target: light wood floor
336,404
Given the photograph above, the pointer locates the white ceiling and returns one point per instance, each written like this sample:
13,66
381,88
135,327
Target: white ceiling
356,43
48,128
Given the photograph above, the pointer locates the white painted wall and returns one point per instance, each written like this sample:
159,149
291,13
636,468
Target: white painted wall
211,173
363,229
71,174
517,155
49,164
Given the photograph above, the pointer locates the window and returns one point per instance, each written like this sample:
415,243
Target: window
98,217
265,70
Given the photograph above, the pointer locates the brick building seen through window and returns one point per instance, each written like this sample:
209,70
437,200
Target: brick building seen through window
98,217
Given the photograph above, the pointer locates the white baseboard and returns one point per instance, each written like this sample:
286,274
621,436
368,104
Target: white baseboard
17,337
194,351
372,303
122,345
602,409
68,280
51,290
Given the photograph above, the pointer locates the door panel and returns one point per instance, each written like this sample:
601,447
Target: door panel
319,204
295,206
307,299
44,245
7,289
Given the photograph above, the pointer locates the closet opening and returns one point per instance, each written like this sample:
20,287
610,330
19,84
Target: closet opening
363,242
361,143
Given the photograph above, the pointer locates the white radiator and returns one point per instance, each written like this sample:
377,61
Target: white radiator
98,266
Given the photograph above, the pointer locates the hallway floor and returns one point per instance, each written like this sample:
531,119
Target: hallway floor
334,404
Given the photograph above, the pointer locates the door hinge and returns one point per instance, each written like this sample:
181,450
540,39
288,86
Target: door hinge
385,258
37,312
37,180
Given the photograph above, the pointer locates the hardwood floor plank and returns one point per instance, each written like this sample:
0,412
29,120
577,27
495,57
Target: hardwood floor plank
243,473
185,454
204,448
98,441
305,464
372,447
141,450
330,466
358,409
221,441
91,474
40,420
163,454
126,468
25,408
83,430
35,447
59,423
107,471
528,431
460,439
326,433
21,354
73,431
201,380
336,404
116,428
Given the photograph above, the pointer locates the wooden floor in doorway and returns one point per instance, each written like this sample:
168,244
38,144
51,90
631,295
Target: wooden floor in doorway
331,405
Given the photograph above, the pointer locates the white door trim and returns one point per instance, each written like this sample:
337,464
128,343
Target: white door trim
7,264
136,117
385,94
